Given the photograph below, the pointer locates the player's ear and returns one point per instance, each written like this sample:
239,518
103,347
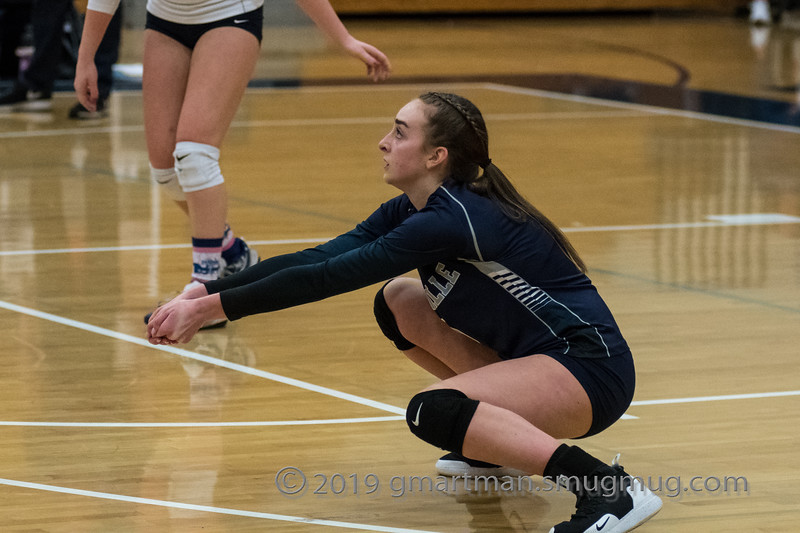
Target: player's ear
437,157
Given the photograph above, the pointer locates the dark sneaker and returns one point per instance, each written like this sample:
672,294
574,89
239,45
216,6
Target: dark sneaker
610,501
78,112
454,464
247,258
20,98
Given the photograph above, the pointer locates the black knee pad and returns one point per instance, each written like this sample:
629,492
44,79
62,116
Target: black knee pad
441,417
388,324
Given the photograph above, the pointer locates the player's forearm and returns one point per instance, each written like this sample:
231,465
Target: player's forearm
325,18
209,308
94,28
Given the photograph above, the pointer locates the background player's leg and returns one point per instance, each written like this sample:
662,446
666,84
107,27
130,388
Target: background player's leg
165,73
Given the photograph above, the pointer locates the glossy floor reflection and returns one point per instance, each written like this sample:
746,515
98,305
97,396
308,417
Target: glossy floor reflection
689,219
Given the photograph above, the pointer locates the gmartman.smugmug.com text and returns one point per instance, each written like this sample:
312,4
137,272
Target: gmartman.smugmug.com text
292,481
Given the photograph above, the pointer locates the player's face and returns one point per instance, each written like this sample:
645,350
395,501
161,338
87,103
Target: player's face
405,150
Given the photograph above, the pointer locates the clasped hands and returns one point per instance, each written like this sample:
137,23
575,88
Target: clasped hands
178,320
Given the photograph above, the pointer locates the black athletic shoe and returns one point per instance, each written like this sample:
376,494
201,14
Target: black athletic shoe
454,464
247,258
78,112
20,98
611,501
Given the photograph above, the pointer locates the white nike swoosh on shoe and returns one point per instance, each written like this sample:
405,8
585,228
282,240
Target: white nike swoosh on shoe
416,420
237,21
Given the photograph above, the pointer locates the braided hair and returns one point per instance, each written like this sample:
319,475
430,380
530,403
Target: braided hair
456,124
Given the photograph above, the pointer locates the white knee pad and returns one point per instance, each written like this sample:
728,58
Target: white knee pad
197,165
167,178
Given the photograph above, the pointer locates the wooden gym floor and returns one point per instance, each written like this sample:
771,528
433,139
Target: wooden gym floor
666,146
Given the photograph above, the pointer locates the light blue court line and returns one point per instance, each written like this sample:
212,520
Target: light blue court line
714,221
206,508
203,358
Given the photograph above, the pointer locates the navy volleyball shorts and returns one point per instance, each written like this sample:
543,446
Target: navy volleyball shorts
189,34
608,381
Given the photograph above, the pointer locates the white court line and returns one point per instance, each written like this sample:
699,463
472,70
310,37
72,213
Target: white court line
651,109
410,88
320,121
640,403
70,131
23,423
204,358
697,399
206,508
631,108
760,219
266,423
341,121
344,121
552,95
288,381
140,247
755,219
52,488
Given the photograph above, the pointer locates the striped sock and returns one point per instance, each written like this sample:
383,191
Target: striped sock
206,257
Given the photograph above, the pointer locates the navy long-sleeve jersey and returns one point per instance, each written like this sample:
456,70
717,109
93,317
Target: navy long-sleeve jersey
504,283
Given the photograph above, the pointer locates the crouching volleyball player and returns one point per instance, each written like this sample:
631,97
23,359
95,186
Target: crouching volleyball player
526,351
